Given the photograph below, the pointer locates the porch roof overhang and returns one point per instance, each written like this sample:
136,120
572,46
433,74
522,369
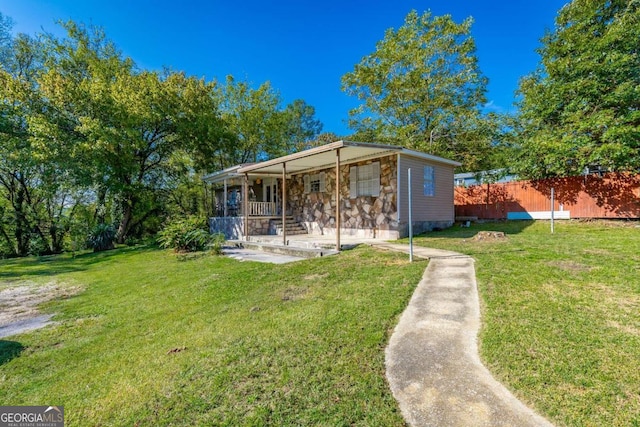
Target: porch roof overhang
225,174
323,157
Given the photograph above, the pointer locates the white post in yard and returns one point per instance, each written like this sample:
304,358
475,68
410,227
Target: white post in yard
338,212
410,217
553,202
245,206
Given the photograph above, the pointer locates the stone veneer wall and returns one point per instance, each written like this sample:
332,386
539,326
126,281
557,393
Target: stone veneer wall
361,216
233,227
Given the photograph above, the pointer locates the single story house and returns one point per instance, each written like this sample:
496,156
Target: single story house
344,187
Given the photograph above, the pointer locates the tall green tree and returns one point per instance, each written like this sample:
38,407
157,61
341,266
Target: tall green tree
121,126
325,138
37,201
422,88
87,138
6,40
302,125
581,107
252,117
259,126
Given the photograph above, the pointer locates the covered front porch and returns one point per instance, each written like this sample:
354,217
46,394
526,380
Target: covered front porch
339,189
261,197
247,204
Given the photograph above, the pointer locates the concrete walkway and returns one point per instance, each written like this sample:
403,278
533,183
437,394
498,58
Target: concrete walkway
432,360
242,254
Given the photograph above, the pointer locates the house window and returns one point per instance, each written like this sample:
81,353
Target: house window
314,183
429,181
365,180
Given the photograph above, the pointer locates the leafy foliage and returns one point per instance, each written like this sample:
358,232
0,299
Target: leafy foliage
101,237
581,107
422,88
85,133
189,235
122,126
38,200
261,128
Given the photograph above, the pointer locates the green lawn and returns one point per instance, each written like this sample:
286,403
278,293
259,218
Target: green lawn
561,315
156,340
153,339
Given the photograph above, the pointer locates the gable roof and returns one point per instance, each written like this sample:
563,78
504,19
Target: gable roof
325,157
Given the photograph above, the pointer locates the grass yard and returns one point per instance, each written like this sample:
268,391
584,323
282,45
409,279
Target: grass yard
151,339
561,315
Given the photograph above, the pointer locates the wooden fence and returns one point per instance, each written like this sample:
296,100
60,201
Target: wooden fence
589,196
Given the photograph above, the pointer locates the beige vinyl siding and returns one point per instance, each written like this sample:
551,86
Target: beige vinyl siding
438,207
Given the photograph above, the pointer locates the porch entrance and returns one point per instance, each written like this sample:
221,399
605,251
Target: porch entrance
270,190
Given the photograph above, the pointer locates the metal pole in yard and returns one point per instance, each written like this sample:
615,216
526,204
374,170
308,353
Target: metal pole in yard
410,217
553,202
338,213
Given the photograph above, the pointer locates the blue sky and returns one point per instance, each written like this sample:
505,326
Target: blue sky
302,47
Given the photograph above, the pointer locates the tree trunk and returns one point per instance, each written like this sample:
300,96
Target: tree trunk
125,222
10,243
22,231
56,232
100,212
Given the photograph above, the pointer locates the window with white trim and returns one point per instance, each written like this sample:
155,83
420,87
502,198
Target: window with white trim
429,181
364,180
314,183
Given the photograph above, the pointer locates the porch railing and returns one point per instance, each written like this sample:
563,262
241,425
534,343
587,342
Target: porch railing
262,209
255,209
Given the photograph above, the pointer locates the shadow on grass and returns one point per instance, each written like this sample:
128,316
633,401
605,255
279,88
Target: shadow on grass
192,256
52,265
458,231
9,350
493,251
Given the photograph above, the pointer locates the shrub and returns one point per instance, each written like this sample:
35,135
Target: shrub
217,240
101,237
37,246
132,241
189,235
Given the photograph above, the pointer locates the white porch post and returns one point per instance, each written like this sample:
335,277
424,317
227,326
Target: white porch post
226,211
245,206
338,213
284,204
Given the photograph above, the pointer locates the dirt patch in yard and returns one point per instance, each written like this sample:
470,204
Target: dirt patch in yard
293,293
316,277
19,305
489,236
570,266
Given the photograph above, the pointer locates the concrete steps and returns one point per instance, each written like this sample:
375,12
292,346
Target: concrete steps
291,226
283,250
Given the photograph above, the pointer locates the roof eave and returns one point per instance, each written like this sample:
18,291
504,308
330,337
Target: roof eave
314,151
431,157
